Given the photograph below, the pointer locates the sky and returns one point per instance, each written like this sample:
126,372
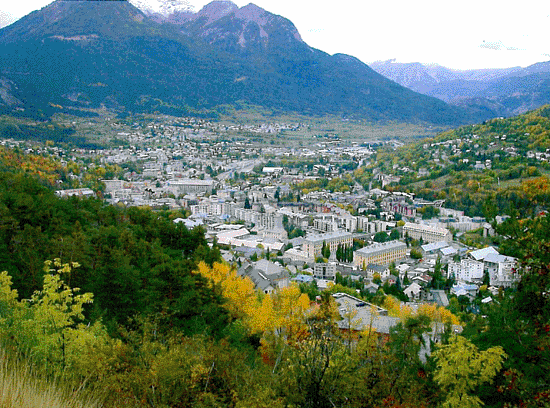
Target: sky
465,34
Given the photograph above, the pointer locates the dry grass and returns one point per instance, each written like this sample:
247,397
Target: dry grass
22,387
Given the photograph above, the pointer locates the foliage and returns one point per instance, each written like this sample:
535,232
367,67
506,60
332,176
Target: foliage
416,253
133,260
317,361
49,326
242,299
171,326
443,317
461,367
520,321
381,236
344,253
325,250
509,174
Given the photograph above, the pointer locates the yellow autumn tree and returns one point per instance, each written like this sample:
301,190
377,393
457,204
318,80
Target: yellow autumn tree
290,308
239,291
437,314
397,308
281,313
263,318
461,367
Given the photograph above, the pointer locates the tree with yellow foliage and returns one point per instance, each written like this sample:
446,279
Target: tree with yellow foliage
281,313
461,368
49,326
239,291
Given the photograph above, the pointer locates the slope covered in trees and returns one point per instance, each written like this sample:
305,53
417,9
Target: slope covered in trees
504,161
133,260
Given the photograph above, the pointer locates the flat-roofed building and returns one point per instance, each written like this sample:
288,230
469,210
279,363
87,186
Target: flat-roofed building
467,270
79,192
297,255
427,232
325,270
314,243
501,270
188,186
382,253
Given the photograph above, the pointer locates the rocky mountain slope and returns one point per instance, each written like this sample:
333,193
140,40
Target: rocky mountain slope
83,54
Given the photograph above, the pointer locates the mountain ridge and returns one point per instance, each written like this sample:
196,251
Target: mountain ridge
109,53
504,92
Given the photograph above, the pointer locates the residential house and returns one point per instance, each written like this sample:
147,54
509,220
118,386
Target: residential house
413,291
382,271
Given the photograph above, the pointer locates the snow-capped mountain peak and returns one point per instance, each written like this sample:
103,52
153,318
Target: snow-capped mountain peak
164,7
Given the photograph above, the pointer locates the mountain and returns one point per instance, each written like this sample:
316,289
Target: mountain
504,92
74,55
438,81
519,91
163,7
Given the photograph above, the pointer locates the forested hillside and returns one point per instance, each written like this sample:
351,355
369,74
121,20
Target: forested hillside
502,161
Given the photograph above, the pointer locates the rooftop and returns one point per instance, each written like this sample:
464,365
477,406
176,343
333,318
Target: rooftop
380,247
313,238
360,315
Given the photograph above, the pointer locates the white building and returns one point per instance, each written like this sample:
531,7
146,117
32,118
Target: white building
190,186
467,270
297,255
213,207
427,233
314,243
79,192
501,270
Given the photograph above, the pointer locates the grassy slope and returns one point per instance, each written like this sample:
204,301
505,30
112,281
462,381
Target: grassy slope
22,387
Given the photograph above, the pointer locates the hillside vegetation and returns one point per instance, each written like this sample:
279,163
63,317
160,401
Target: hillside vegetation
503,161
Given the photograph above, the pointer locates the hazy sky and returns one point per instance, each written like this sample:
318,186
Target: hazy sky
462,34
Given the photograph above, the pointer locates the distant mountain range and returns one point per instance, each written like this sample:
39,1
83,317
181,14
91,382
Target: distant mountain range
504,92
75,55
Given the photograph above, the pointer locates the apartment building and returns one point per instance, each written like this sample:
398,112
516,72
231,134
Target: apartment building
427,233
314,243
467,270
325,270
382,253
188,186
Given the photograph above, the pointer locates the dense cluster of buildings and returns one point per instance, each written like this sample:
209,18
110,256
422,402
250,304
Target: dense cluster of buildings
197,167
